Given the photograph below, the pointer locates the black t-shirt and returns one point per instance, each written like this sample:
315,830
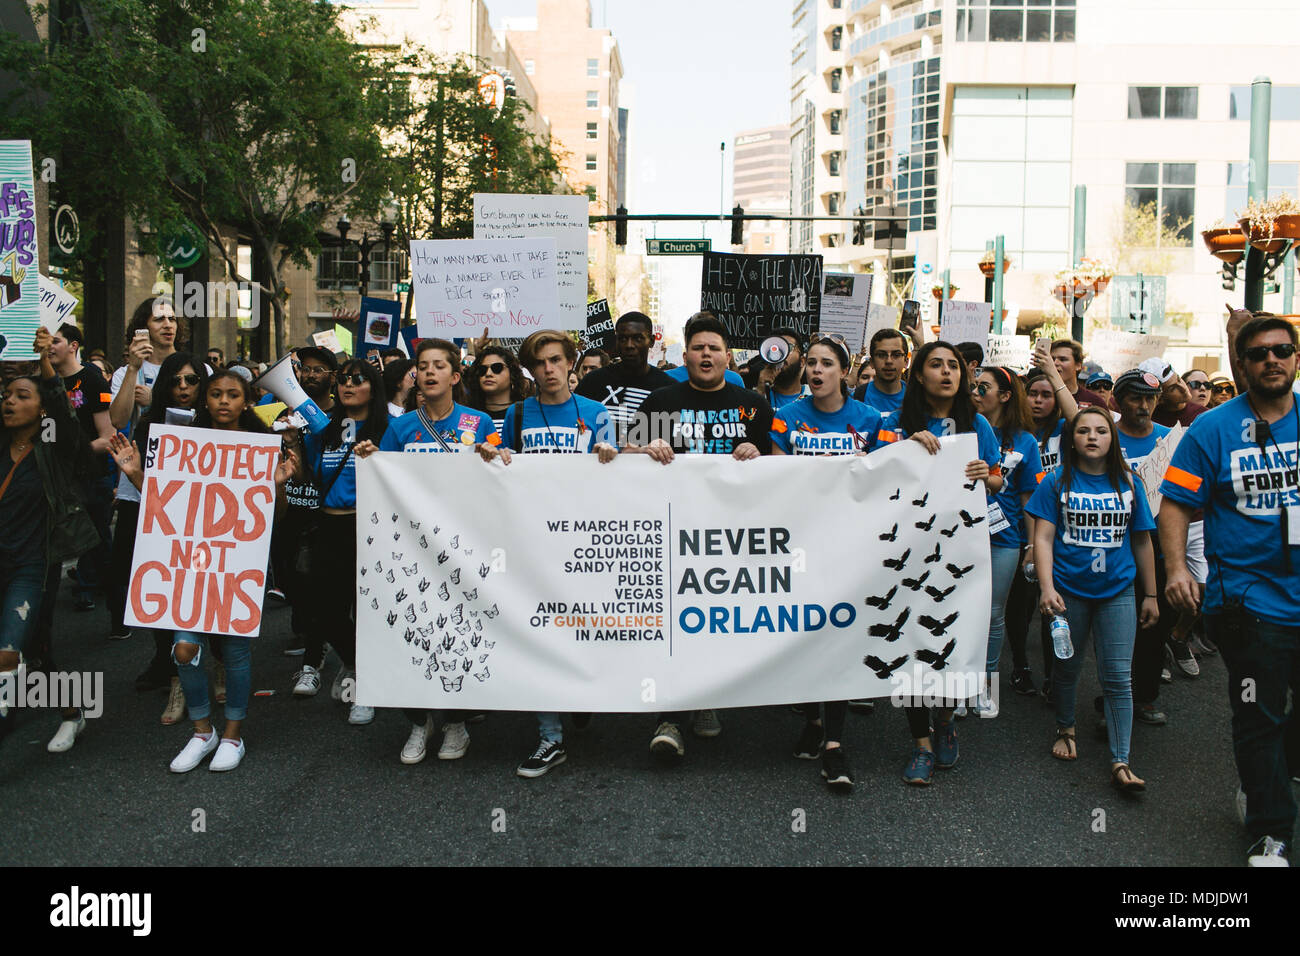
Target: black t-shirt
23,510
622,391
710,423
88,393
304,494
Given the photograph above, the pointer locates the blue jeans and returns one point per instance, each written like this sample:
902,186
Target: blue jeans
22,588
237,654
549,728
1268,655
1004,563
1112,623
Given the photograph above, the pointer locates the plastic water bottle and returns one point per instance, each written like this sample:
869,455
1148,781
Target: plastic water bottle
1030,574
1061,643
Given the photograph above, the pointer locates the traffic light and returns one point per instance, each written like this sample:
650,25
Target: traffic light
860,228
620,226
737,225
1229,276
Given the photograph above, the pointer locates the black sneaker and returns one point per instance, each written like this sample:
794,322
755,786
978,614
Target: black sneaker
1022,682
862,706
549,753
84,604
810,742
1150,714
580,721
154,679
835,770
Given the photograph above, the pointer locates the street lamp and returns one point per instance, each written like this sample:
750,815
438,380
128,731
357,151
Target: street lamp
365,243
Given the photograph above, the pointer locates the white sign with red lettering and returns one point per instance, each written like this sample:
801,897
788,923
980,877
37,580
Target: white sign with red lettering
204,532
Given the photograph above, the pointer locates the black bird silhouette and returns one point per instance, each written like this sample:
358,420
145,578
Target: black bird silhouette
927,525
882,668
483,570
937,594
949,532
971,486
423,585
915,583
957,572
400,596
392,618
932,558
891,632
920,502
937,627
896,495
891,534
968,519
442,557
937,661
883,602
898,563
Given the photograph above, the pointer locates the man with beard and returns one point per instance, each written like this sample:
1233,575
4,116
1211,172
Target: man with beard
623,386
1239,463
787,386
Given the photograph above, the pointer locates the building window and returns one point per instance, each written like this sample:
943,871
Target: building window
835,4
837,76
1285,103
1016,21
1168,189
593,99
833,204
833,120
593,131
593,67
529,66
1162,102
837,38
591,162
833,162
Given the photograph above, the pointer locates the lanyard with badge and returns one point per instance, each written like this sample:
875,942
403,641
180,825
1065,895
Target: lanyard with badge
1290,512
433,430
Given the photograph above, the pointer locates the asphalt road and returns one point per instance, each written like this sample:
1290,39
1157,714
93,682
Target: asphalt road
315,791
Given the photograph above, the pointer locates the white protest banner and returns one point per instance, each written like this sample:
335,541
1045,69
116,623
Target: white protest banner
1009,351
964,321
20,308
635,586
204,531
880,317
56,305
506,285
562,218
1152,468
1117,352
844,306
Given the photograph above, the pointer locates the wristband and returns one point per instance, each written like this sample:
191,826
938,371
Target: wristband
1062,388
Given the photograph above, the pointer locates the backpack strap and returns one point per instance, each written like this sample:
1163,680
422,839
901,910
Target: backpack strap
519,427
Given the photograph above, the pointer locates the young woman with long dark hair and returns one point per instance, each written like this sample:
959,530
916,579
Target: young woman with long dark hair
1092,538
937,402
495,382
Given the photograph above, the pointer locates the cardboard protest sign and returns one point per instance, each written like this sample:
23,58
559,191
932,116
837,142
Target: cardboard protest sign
343,336
1009,351
204,531
328,340
844,307
752,295
1117,352
57,305
381,320
880,317
20,291
600,328
583,579
562,218
1152,468
507,285
964,321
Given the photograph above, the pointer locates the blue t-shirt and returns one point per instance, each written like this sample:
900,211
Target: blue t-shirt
1135,450
1020,469
1093,554
891,430
779,401
462,430
575,426
1217,466
325,465
1049,452
870,395
679,374
801,429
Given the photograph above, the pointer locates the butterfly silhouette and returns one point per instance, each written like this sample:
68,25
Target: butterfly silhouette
410,613
448,665
466,664
412,571
436,530
459,651
370,539
457,613
468,551
881,668
392,618
452,685
471,595
442,621
489,644
455,576
920,502
462,628
940,660
957,572
424,607
363,571
883,602
898,563
378,567
442,558
424,542
483,676
444,592
423,585
891,632
428,671
971,486
968,519
935,556
891,534
937,594
374,517
390,577
898,492
394,518
474,613
492,611
400,596
415,526
927,525
365,590
425,631
409,635
455,542
483,570
914,584
937,627
483,658
396,535
948,533
374,604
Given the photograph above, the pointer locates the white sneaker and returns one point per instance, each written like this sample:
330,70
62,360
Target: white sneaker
417,745
194,752
455,741
308,682
9,681
336,689
66,735
229,754
360,714
1267,852
959,712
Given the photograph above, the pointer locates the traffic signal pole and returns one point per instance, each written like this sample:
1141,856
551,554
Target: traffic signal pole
1261,98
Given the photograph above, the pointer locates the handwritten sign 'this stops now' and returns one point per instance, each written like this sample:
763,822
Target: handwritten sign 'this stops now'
462,286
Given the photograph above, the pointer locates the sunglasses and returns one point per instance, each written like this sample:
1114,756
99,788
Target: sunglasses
1223,389
1198,385
187,379
1260,352
350,378
980,389
496,368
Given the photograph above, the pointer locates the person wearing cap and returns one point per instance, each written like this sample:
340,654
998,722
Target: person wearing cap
1135,397
1100,383
1222,389
1175,405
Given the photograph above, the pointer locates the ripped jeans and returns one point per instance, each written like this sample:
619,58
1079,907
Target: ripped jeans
22,587
237,653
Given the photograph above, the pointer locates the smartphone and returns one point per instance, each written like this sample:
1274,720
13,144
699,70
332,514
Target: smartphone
911,315
141,333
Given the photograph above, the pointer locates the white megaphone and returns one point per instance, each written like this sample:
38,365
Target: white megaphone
280,381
